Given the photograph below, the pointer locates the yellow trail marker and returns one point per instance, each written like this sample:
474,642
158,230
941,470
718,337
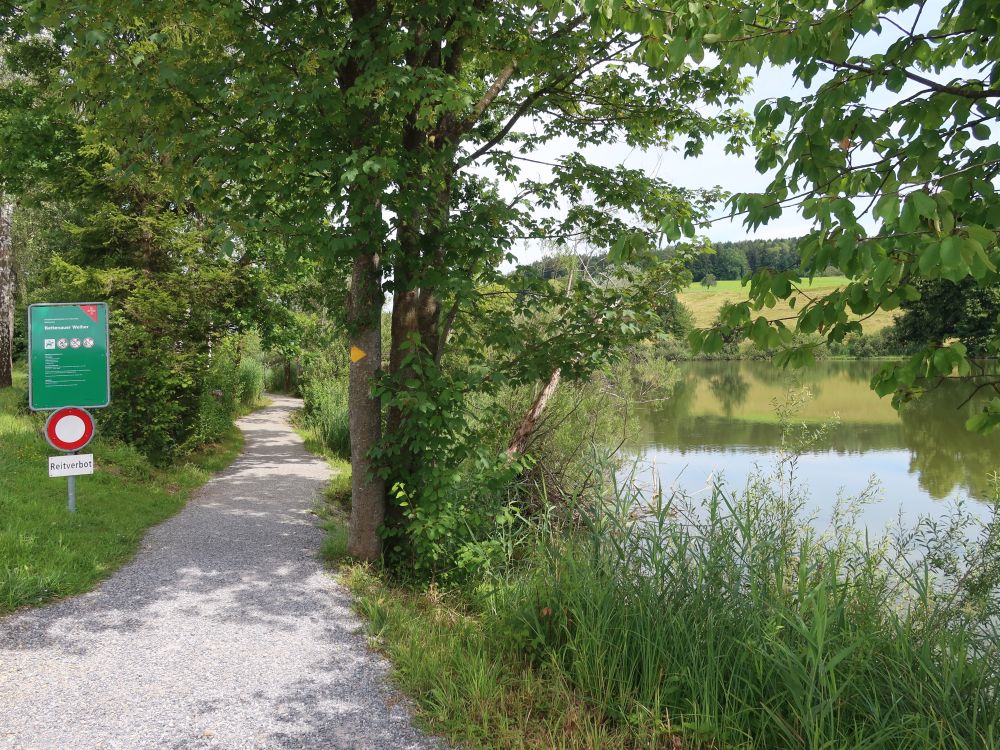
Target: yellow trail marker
357,354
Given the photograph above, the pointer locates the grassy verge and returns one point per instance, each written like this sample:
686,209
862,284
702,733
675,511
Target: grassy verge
721,621
465,685
470,685
46,552
262,402
335,507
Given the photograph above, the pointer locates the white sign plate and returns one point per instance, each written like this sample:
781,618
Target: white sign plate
71,466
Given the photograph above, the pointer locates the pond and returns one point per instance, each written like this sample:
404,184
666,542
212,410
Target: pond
722,420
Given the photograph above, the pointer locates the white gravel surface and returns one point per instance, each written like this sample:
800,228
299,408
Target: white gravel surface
224,632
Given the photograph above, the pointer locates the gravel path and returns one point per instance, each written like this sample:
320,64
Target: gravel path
224,632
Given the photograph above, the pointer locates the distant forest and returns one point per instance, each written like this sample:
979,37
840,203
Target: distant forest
731,260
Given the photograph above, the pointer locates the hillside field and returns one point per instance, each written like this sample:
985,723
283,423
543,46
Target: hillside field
705,304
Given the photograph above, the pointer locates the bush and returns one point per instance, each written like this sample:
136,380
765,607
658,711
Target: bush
326,414
479,509
218,401
677,350
677,318
282,377
323,384
883,343
579,419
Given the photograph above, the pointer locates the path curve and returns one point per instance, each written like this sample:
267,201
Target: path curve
225,632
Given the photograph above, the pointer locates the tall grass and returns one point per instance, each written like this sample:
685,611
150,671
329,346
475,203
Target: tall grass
250,381
326,413
726,620
732,622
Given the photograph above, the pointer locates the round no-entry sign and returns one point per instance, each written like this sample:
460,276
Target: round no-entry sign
69,429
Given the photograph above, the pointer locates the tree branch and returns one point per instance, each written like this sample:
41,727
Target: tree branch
551,87
966,93
491,93
502,79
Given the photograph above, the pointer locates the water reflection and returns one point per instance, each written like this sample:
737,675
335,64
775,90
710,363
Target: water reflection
721,414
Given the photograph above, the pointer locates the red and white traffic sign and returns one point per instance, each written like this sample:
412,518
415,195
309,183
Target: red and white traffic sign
69,429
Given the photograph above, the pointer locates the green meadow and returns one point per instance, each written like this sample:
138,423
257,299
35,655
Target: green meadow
705,302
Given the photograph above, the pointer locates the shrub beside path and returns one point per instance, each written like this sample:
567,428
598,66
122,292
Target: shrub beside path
224,632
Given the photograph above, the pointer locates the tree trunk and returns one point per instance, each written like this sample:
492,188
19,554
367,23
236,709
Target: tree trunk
405,323
365,413
288,376
415,315
6,294
528,424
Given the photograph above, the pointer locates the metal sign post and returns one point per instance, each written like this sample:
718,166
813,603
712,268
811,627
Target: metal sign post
70,430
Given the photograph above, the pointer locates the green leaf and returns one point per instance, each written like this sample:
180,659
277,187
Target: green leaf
887,207
951,254
929,259
982,235
923,204
696,340
943,362
883,271
895,79
713,342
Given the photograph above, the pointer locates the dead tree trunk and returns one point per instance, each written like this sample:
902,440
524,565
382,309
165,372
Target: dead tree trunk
529,422
6,294
365,412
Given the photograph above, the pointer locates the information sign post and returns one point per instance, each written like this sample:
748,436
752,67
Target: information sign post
69,372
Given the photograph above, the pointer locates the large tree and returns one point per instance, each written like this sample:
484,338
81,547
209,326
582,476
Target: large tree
120,237
397,142
966,311
7,278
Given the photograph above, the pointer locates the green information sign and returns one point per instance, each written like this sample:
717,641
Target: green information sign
68,356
